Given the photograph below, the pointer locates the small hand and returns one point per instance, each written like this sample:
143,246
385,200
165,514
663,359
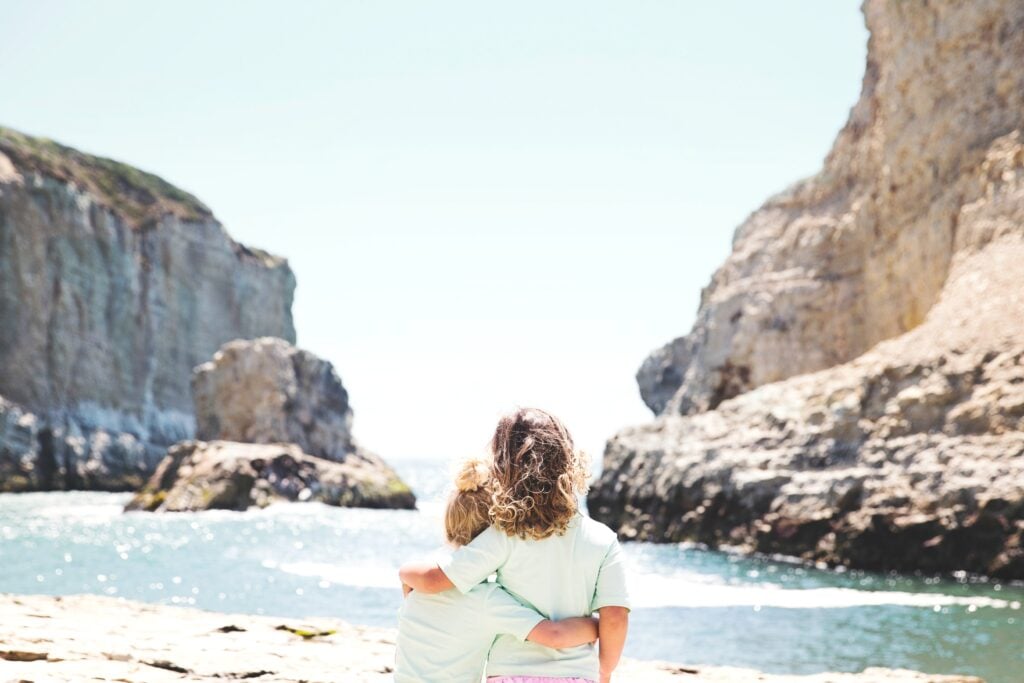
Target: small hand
406,589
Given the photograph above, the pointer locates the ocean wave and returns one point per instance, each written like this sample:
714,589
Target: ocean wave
651,591
380,576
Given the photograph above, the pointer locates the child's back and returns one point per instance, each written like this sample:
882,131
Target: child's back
544,551
446,636
567,575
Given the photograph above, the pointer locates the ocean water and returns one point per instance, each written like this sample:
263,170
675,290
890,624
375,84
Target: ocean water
692,606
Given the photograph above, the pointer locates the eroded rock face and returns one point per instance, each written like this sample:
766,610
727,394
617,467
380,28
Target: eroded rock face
19,441
113,286
860,252
852,389
266,391
226,475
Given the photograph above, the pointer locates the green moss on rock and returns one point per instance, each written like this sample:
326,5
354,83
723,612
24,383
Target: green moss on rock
140,198
15,483
397,486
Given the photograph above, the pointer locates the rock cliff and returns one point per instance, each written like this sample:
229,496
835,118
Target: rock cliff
113,285
852,388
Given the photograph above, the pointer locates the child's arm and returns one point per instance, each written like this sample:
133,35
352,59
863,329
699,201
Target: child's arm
463,569
564,632
425,577
611,631
611,601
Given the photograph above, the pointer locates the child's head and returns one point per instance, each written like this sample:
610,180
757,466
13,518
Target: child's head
467,513
536,475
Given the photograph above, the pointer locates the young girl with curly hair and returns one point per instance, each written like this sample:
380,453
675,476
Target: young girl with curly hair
446,636
544,551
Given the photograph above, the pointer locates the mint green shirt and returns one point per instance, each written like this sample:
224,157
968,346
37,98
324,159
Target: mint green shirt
572,575
445,637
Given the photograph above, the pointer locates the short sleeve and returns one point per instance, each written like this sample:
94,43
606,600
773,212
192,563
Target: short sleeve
472,563
611,588
505,614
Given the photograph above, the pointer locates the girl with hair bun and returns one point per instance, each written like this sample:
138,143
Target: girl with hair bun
446,636
544,551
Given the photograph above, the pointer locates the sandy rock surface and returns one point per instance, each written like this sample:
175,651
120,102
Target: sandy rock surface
80,638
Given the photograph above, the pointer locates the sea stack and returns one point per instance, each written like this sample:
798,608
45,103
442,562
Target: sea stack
852,391
274,424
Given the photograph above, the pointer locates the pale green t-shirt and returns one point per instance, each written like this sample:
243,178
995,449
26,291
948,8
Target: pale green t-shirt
572,575
445,637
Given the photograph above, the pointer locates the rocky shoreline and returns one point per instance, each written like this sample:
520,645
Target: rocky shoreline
74,638
132,326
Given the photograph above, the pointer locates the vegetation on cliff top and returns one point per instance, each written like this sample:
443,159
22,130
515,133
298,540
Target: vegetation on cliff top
140,198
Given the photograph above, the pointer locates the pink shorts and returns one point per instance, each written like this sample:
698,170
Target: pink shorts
535,679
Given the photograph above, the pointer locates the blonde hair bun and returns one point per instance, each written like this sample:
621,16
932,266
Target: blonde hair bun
472,475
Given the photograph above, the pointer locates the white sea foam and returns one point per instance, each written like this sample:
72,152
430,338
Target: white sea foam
104,512
369,576
654,590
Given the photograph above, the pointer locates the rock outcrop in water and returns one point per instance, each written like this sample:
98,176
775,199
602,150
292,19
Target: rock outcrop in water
96,638
227,475
267,391
852,391
280,429
113,285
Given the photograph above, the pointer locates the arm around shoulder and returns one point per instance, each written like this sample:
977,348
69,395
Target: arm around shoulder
425,577
564,632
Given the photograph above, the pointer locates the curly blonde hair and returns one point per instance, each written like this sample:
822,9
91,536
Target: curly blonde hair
536,475
468,509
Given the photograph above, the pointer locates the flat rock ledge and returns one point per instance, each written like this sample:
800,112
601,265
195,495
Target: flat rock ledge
227,475
85,637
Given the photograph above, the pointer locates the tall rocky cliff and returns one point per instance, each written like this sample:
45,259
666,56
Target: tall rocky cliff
113,285
852,390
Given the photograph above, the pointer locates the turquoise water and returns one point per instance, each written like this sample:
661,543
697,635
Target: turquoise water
692,606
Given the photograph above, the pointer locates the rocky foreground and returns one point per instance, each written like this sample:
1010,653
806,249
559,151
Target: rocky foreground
79,638
852,391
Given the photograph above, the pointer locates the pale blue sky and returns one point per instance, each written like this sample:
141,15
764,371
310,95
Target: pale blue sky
485,204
